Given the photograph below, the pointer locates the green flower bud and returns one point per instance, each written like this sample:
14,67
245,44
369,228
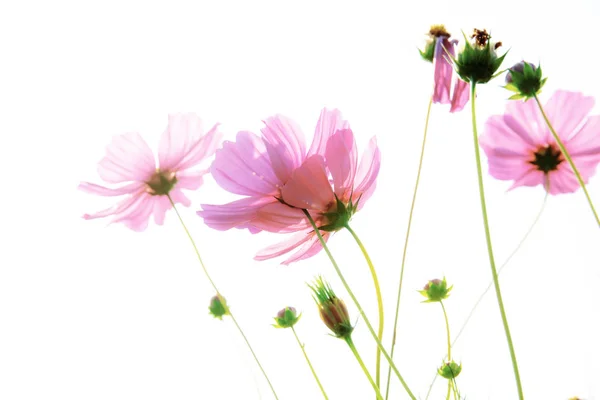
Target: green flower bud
436,290
450,370
286,318
218,306
525,79
478,62
332,309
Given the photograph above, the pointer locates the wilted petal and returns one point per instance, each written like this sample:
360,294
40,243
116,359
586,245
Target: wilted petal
342,159
442,70
460,96
128,158
309,186
330,121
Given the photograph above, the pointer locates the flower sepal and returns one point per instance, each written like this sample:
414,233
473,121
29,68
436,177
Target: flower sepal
436,290
478,62
524,79
286,318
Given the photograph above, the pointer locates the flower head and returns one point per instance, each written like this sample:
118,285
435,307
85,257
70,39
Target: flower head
439,50
280,179
478,62
332,309
286,318
520,147
436,290
525,79
450,370
218,306
130,165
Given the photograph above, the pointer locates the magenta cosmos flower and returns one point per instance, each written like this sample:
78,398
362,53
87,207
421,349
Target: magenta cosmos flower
262,169
521,148
129,163
441,52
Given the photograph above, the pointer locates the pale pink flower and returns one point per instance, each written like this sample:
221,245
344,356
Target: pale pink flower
258,167
310,188
521,148
444,71
130,165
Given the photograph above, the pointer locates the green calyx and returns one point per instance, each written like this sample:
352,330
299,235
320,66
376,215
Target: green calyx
450,370
436,290
339,218
525,80
332,310
286,318
218,307
478,62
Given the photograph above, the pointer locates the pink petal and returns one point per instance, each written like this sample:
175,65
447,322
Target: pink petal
342,159
191,179
508,167
280,218
285,144
226,216
460,96
567,110
136,212
368,169
243,167
92,188
442,70
306,242
497,134
586,141
309,186
128,158
525,119
330,121
563,181
161,206
532,177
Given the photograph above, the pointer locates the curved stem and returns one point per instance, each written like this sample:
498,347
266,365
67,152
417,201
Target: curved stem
487,289
447,331
187,232
357,304
309,363
488,240
564,151
379,300
348,340
410,216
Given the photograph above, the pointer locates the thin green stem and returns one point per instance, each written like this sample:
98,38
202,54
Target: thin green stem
449,389
187,232
564,151
379,300
410,216
358,306
447,331
487,289
364,368
488,240
309,363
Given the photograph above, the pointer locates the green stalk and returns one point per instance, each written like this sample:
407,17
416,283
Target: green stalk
348,340
488,240
358,306
309,363
187,232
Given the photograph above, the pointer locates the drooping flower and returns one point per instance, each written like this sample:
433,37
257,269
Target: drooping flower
258,168
521,148
439,50
130,165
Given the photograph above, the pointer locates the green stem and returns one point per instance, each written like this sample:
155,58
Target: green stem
488,240
564,151
410,216
348,340
379,300
504,264
355,300
309,363
449,389
447,331
187,232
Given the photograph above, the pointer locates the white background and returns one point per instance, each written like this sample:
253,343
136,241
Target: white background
95,312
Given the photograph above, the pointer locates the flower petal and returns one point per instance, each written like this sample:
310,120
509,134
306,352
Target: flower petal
235,214
280,218
330,121
567,110
92,188
510,137
243,167
342,159
366,175
442,74
525,119
309,186
306,242
285,144
586,141
460,96
128,158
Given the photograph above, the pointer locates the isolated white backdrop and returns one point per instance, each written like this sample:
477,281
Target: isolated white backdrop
95,312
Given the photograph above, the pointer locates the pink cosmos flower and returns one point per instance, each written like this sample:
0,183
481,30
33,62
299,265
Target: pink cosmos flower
129,163
521,148
258,167
444,71
310,188
273,169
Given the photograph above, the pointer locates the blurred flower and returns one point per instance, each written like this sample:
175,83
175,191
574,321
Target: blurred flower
439,50
286,318
436,290
130,163
525,79
478,61
521,148
450,370
218,306
332,309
